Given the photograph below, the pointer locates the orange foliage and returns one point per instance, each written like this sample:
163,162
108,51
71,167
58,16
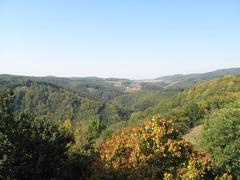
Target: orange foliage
153,150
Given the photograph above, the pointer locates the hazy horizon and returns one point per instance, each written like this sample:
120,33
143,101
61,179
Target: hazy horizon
120,39
115,77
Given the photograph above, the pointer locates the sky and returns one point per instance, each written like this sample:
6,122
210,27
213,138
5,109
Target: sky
136,39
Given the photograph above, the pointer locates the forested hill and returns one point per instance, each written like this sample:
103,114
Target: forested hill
111,100
56,102
108,88
182,81
94,87
191,106
109,132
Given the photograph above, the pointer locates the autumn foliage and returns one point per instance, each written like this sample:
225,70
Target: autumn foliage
154,151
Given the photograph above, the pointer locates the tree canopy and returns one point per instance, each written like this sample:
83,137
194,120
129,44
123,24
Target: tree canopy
30,148
220,137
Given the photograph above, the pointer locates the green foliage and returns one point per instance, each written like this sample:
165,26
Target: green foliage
94,130
190,107
30,148
55,102
141,100
221,136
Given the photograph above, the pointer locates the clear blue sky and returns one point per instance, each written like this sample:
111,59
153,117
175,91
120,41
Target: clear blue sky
118,38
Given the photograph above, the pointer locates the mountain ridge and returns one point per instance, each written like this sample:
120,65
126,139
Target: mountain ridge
230,71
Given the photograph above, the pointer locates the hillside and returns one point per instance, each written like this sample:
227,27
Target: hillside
190,106
150,125
61,103
93,87
114,100
182,81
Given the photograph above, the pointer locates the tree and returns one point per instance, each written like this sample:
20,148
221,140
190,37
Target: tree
152,151
194,113
220,137
30,148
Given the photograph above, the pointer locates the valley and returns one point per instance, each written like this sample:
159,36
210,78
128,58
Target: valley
100,112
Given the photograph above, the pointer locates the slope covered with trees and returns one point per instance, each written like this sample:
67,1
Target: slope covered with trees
107,135
220,138
55,102
190,107
189,80
40,149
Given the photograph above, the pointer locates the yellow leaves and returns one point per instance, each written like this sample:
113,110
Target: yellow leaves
234,94
225,176
168,176
198,166
152,150
67,124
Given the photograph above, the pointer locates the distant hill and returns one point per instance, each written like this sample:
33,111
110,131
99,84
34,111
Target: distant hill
193,78
181,81
189,106
109,88
97,88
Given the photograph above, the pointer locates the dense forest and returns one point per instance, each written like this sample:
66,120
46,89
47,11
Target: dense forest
95,128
